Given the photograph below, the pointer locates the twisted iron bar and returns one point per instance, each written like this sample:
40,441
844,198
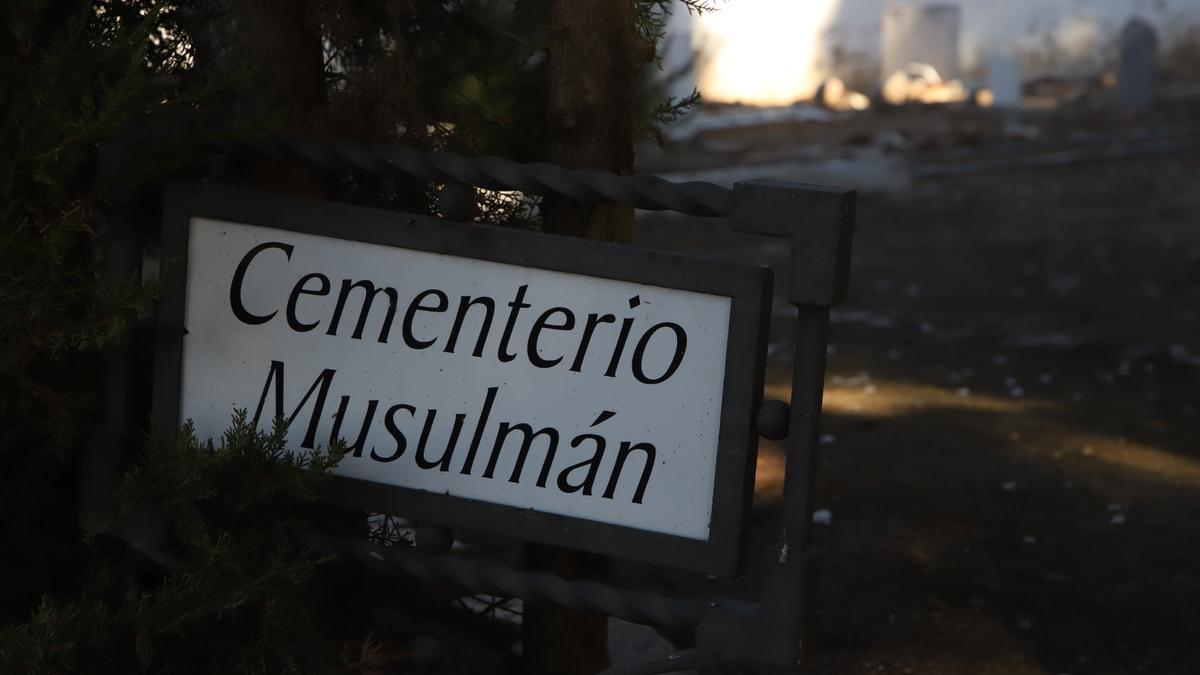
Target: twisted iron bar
582,185
496,579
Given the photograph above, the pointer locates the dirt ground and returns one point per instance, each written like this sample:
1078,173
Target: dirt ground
1011,458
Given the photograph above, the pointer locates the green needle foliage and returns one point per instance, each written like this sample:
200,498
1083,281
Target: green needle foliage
236,590
226,584
232,589
70,79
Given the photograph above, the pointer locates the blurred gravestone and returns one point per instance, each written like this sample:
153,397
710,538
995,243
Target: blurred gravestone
1004,80
1137,71
920,33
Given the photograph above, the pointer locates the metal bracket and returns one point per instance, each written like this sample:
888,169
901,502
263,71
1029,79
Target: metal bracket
818,219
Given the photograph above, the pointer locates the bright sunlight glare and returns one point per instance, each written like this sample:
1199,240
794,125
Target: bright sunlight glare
760,52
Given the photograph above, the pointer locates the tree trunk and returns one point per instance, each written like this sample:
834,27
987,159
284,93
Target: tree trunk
595,53
270,51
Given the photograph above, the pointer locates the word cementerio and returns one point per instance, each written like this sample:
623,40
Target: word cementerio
594,331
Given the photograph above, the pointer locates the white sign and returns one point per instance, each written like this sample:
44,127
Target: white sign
565,394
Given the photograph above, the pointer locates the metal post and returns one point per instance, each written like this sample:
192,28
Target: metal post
121,259
119,252
789,582
820,222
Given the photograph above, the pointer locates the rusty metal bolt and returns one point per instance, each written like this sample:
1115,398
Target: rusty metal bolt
772,420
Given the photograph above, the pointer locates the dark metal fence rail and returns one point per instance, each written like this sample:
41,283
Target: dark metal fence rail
496,579
587,186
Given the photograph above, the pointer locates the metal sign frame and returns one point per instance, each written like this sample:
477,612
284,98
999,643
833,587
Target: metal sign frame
817,220
747,286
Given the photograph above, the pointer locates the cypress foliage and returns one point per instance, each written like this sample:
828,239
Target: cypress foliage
67,81
233,589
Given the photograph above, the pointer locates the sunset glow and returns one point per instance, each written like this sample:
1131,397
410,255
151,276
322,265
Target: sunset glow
761,52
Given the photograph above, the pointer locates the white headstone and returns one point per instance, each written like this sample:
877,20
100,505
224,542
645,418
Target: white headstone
919,33
1137,69
1004,80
